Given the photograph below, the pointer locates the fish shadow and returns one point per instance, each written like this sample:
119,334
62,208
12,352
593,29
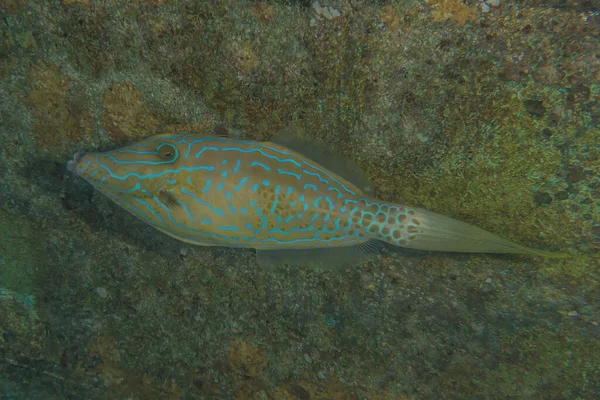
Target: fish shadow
79,198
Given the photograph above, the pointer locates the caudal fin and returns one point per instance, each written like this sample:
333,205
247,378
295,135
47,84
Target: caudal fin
420,229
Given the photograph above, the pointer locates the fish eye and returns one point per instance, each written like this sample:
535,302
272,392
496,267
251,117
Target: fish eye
167,151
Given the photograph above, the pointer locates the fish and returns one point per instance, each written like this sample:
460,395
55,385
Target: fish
288,198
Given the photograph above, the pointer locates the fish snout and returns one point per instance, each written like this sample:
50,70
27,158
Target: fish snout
74,163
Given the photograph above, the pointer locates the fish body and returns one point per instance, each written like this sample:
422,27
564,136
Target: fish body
216,191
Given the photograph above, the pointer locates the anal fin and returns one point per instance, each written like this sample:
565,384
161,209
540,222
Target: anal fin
323,258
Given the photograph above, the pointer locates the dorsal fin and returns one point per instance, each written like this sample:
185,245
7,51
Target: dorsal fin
295,139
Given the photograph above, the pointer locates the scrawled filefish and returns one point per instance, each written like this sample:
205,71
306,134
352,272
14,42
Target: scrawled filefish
217,191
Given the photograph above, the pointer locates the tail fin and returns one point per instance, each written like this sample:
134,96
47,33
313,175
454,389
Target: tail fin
420,229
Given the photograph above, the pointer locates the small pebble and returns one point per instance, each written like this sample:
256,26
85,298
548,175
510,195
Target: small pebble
535,108
575,175
101,292
542,198
573,314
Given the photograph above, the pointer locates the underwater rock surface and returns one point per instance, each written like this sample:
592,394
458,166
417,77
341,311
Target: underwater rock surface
483,111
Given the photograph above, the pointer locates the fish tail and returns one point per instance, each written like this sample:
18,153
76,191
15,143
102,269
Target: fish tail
421,229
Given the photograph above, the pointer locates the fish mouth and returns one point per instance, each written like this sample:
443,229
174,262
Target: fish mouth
74,163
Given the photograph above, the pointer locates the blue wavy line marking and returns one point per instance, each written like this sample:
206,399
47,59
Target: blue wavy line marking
274,206
232,209
237,166
135,151
278,230
189,181
239,185
259,145
317,240
307,229
288,219
331,206
187,210
123,202
314,217
255,187
171,181
87,165
136,162
228,228
340,195
348,225
186,228
257,148
101,186
310,185
157,175
284,172
204,203
151,210
206,148
337,224
316,202
259,164
206,186
288,192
